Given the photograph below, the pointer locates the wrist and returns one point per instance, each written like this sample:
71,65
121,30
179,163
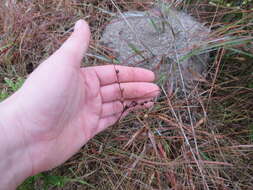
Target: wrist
15,161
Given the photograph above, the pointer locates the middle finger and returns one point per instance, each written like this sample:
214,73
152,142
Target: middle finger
126,91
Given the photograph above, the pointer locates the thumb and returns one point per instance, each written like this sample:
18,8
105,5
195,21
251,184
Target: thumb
74,49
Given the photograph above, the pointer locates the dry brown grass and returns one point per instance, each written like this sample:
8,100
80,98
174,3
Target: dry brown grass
157,148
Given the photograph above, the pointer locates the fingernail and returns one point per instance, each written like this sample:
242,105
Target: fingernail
79,24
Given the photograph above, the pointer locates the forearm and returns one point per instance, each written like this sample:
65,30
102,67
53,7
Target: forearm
15,165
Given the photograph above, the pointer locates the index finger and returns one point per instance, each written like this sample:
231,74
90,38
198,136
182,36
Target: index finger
110,74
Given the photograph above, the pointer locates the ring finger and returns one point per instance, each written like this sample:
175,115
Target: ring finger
116,107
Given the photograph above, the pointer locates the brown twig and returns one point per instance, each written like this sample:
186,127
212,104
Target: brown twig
133,104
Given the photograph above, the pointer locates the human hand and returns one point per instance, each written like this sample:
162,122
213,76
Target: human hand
61,106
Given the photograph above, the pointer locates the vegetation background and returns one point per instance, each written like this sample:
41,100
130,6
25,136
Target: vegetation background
153,149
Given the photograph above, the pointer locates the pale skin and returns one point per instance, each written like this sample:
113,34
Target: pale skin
61,106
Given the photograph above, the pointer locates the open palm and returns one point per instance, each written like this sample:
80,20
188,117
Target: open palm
61,106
